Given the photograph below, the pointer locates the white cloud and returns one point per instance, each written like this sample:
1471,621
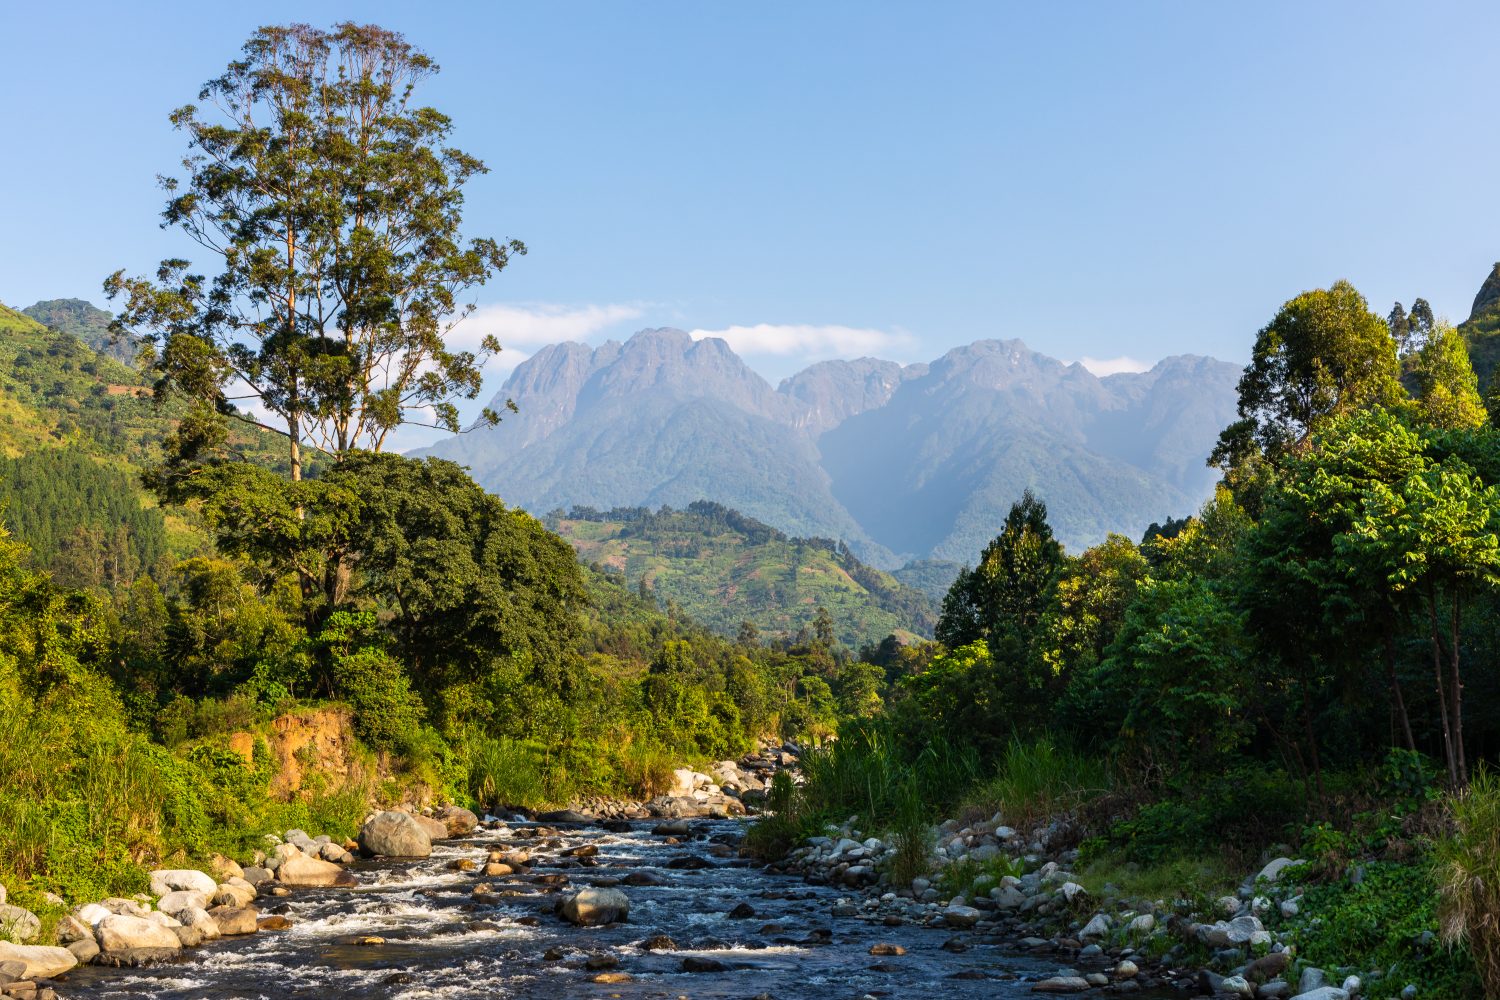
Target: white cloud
812,342
1114,366
536,324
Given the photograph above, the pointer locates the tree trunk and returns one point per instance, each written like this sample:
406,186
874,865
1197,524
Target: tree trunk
1442,695
1398,703
1456,693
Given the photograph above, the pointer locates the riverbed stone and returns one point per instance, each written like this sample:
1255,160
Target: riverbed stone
233,920
957,915
198,917
129,940
394,834
168,880
591,907
41,961
84,950
310,872
435,829
175,902
458,820
1323,993
1272,871
19,923
1062,984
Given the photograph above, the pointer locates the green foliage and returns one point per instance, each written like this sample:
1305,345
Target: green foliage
1388,917
1191,816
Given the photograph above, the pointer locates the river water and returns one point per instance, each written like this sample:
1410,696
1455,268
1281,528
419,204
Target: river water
440,942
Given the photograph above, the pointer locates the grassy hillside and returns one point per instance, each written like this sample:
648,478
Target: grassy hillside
724,568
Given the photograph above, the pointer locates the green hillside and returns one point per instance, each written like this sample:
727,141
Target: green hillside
77,427
723,569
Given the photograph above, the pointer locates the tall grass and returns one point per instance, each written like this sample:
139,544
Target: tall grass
1037,779
507,772
1468,874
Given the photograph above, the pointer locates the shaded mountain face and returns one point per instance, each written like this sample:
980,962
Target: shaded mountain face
901,462
1482,331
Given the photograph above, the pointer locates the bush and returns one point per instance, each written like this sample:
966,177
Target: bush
1468,872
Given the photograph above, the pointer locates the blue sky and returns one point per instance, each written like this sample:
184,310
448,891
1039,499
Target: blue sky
1099,179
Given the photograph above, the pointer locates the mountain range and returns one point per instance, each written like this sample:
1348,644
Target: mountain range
900,462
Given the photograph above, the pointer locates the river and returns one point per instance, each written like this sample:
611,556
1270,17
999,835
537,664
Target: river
440,942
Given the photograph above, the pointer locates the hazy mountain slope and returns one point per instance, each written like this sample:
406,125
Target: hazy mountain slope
936,469
723,569
921,460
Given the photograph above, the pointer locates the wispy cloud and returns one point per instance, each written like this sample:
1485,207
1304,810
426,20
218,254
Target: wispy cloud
1114,366
536,324
812,342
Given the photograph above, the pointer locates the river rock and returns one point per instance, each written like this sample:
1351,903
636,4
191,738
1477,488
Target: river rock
564,816
236,892
128,940
457,819
1062,984
1272,872
84,950
695,963
1323,993
394,835
1098,927
305,871
255,875
18,923
1237,986
41,961
174,879
197,917
435,829
235,919
961,916
590,907
175,902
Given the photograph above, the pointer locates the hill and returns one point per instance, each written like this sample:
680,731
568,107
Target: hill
899,462
1482,329
88,323
77,427
723,568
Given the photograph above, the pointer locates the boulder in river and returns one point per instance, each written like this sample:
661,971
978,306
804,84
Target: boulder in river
394,835
302,870
175,879
175,902
1062,984
591,907
236,919
564,816
457,819
128,940
41,961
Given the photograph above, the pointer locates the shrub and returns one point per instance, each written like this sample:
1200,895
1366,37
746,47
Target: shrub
1468,870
